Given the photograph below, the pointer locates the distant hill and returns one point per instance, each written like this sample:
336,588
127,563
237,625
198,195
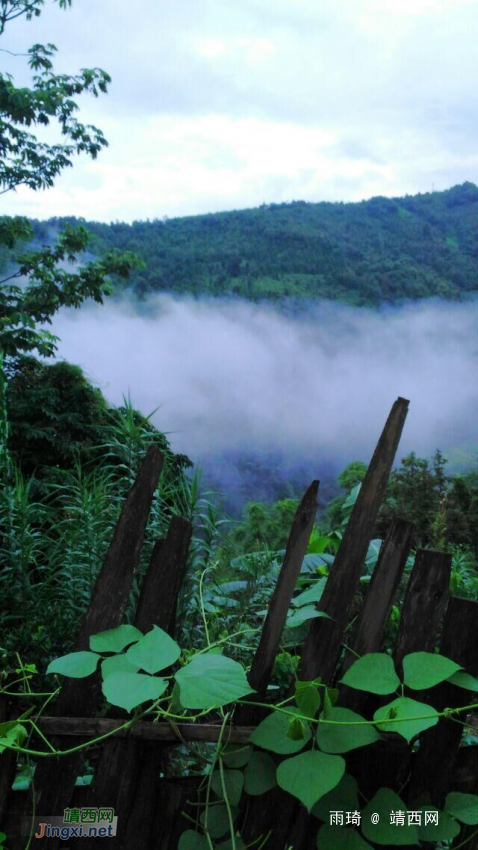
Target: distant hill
381,250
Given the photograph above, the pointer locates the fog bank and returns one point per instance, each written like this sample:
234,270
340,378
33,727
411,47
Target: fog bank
233,378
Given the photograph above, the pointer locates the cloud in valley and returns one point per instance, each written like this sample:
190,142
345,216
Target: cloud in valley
232,377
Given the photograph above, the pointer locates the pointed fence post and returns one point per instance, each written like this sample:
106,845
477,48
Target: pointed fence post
55,779
324,641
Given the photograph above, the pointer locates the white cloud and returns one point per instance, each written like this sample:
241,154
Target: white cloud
217,105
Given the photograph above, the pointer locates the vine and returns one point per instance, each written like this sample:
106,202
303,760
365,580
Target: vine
309,732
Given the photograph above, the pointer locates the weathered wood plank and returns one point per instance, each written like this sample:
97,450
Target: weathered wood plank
159,594
125,767
263,663
424,605
436,758
323,644
54,782
421,619
92,727
375,610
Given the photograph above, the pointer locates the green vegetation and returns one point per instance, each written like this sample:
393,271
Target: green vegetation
382,250
68,460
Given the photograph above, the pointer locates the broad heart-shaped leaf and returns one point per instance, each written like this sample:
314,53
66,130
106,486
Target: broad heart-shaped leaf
307,697
308,612
341,739
386,804
408,711
210,681
191,840
117,664
76,664
236,755
115,640
422,670
131,689
310,775
271,734
446,830
464,680
312,594
155,651
340,838
234,782
342,798
464,807
374,673
260,774
217,820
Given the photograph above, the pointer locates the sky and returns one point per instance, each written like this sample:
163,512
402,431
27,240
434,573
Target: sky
219,105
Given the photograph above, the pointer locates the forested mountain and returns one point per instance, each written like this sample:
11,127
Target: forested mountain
381,250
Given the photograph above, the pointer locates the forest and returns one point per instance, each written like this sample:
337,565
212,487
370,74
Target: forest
381,250
172,677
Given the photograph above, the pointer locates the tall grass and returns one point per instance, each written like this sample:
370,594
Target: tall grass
52,547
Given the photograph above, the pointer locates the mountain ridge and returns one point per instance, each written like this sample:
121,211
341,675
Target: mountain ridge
363,253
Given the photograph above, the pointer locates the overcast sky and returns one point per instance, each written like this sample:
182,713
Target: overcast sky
223,104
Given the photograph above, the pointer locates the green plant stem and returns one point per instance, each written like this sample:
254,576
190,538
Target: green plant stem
203,610
447,712
228,805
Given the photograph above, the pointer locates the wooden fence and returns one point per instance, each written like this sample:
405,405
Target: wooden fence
130,768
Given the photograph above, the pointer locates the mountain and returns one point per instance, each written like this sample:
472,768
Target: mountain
375,251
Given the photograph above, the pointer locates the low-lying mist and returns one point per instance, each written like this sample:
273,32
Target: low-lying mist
240,385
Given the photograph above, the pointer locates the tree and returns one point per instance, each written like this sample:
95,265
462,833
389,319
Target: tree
27,161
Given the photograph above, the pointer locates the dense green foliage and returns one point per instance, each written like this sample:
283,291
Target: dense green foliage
37,283
381,250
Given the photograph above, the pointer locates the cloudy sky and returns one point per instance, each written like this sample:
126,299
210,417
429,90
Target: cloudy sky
221,104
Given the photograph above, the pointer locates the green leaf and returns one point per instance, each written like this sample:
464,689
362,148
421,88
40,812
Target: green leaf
296,730
331,696
310,775
446,830
210,681
342,798
234,782
155,651
384,803
14,737
117,664
339,838
423,670
308,612
260,774
341,739
464,680
464,807
217,821
312,594
236,755
407,710
374,673
307,697
76,665
115,640
271,734
128,690
191,840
